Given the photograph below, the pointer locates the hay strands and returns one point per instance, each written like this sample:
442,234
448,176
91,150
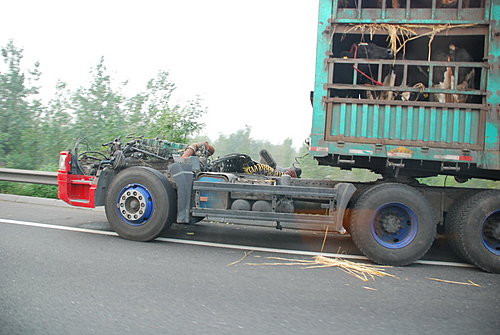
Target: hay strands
362,271
468,283
399,34
246,254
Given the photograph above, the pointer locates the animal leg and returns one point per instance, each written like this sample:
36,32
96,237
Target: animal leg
389,80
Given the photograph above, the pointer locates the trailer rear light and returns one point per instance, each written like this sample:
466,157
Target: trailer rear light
319,149
65,161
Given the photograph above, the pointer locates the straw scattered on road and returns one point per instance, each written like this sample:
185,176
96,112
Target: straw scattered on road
362,271
468,283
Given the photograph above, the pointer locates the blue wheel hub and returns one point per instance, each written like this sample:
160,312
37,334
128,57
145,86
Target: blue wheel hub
490,232
135,204
394,225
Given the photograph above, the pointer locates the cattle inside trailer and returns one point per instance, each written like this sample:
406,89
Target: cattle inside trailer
405,88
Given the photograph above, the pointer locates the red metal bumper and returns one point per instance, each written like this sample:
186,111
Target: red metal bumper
76,190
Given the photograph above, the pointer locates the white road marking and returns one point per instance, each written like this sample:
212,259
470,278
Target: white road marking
223,245
52,226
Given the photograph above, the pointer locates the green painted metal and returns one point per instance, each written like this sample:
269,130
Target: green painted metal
445,127
409,15
429,131
322,49
492,140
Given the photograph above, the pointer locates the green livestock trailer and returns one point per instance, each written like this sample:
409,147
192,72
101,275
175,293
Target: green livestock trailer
415,136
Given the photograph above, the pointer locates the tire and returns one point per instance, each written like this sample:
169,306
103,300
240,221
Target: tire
393,224
450,226
474,230
140,204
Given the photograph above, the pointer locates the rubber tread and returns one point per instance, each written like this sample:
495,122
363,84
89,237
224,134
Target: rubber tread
361,221
165,204
465,226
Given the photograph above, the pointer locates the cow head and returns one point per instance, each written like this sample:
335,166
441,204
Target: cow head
368,50
447,3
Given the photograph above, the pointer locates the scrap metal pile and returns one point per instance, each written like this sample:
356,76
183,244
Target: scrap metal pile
159,154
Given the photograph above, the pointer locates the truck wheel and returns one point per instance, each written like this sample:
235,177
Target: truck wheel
450,226
393,224
140,203
474,230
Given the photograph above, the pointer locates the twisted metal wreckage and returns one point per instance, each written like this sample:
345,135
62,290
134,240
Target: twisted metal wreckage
159,154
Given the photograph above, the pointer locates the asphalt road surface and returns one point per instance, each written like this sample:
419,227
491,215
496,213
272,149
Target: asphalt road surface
88,281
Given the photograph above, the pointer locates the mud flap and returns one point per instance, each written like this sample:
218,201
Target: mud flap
344,194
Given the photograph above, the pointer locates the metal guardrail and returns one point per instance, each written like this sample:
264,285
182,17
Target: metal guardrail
28,176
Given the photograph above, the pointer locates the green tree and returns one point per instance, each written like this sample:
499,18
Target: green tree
98,108
178,123
284,154
20,109
135,116
159,92
145,108
449,181
152,112
237,142
310,167
56,126
241,142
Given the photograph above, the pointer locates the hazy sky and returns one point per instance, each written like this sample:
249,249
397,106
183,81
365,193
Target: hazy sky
252,62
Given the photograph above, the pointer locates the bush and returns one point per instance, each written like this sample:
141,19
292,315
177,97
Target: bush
32,190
